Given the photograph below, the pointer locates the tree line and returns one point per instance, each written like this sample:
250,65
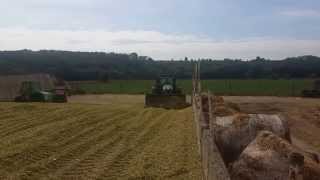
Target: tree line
79,66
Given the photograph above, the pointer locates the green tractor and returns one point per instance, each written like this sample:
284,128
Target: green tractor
30,91
166,94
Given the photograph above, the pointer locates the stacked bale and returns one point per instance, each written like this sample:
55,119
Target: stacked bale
220,107
270,157
256,146
234,133
234,130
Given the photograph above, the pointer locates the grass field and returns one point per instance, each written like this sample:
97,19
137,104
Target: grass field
91,140
221,87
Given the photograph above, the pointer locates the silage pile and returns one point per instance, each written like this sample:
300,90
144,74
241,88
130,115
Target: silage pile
220,107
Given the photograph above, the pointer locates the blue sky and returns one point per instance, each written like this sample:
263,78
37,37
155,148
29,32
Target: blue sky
165,29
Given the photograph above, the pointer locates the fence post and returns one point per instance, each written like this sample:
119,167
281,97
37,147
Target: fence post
198,76
212,117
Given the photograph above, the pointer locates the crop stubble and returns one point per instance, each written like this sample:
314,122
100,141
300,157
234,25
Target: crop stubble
96,141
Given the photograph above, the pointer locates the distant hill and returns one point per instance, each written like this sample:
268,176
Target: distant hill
98,65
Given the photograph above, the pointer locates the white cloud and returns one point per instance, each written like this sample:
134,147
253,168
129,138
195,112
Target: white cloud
155,44
301,13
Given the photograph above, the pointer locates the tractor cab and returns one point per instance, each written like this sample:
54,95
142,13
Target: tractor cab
29,87
165,85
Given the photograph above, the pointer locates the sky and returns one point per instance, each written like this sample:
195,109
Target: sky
165,29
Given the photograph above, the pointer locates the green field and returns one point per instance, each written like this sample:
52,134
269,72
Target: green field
260,87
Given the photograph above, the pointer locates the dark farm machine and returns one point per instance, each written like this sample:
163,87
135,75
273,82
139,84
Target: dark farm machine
314,92
30,91
166,94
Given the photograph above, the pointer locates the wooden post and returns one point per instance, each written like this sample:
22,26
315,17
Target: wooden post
196,107
199,84
195,74
192,83
210,105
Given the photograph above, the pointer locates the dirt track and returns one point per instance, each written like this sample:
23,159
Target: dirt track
90,141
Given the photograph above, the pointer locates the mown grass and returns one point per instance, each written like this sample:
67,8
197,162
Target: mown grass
262,87
97,141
